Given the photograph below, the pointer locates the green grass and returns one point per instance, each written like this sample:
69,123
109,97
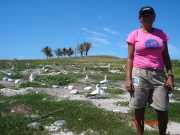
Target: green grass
32,84
114,91
174,110
56,79
176,95
80,116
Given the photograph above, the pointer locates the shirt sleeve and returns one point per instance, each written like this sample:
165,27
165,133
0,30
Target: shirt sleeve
164,37
131,38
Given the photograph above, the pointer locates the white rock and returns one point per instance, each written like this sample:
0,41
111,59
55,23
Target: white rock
70,87
55,86
43,84
34,125
10,80
173,128
59,123
52,128
88,88
114,71
37,92
75,91
8,92
122,109
176,88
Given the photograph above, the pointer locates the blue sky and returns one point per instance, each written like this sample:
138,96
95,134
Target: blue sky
26,26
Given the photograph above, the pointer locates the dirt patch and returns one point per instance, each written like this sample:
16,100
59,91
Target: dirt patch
20,109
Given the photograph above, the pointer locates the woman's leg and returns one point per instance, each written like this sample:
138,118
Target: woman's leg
139,121
162,121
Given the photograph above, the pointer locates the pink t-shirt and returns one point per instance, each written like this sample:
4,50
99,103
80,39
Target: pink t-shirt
148,48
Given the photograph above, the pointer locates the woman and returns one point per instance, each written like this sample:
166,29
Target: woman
145,78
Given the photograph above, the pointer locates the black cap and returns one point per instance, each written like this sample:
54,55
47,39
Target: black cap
146,10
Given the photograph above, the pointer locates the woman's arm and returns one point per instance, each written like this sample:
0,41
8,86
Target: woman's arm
168,65
129,67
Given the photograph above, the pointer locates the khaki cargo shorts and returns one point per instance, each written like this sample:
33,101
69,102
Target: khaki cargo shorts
149,89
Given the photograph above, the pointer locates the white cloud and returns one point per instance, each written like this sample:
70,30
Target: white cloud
93,33
99,40
113,32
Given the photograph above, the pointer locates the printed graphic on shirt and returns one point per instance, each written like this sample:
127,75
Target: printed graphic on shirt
152,43
136,81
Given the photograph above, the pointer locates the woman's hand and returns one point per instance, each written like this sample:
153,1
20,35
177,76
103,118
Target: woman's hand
170,82
129,86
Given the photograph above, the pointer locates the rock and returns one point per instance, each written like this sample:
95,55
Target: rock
122,109
43,84
56,126
8,92
11,92
59,123
70,87
52,128
34,125
88,88
173,128
44,99
34,116
55,86
75,91
10,80
114,71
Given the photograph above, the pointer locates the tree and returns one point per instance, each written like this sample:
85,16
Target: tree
58,52
87,46
84,48
70,52
81,48
65,51
47,51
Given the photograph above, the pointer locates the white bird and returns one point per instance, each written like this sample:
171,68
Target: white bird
97,91
31,77
86,78
105,81
18,81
